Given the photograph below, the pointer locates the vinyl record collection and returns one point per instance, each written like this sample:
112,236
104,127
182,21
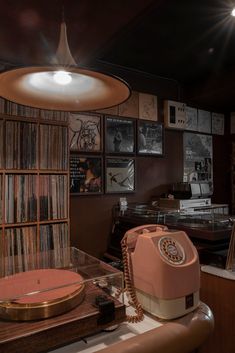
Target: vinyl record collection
21,145
20,250
1,142
33,185
10,108
54,236
23,252
20,198
53,197
53,147
0,198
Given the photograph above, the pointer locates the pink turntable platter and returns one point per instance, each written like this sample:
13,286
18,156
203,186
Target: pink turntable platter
40,294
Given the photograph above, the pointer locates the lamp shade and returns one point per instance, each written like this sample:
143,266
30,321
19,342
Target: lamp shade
62,85
86,90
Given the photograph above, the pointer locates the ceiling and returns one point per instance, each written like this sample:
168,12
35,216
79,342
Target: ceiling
190,41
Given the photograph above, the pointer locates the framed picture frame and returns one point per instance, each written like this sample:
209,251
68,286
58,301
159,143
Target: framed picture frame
191,118
150,138
130,108
204,121
119,135
198,159
148,106
85,132
119,175
86,174
217,124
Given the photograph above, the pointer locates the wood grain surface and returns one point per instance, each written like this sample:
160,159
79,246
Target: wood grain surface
43,335
219,294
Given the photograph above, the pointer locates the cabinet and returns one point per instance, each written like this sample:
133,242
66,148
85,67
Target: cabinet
34,190
218,292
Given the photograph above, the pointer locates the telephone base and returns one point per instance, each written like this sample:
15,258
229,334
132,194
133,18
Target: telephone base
168,308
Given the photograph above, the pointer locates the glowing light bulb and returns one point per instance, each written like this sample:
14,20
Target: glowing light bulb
62,77
233,12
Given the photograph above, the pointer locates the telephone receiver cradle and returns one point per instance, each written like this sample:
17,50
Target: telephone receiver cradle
161,269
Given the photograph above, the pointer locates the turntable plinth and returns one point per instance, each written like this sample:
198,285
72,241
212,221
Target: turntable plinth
47,334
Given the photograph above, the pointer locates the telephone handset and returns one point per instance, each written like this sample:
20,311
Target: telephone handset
155,261
132,235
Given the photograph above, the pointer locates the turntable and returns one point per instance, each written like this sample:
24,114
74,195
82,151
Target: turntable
53,298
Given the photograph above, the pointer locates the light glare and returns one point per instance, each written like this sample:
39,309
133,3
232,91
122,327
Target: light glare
62,77
233,12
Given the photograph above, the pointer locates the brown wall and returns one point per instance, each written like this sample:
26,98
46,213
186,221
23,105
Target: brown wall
91,216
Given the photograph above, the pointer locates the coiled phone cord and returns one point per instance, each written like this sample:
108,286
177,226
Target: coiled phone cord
129,286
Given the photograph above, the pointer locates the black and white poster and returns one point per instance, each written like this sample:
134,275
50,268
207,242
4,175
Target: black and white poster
198,158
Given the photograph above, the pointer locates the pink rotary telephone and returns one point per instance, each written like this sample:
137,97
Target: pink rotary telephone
161,268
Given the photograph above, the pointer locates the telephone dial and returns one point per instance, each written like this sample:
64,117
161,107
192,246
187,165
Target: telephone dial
161,270
171,250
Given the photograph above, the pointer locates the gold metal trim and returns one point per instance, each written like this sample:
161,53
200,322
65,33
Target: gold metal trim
25,312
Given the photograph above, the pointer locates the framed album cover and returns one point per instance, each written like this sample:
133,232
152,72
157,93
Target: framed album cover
86,175
191,118
119,135
119,175
85,132
150,138
148,107
204,121
130,108
217,127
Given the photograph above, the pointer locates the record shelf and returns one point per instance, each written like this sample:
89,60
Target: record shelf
34,184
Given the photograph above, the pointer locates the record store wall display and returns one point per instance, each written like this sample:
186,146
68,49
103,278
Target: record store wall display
85,132
120,175
198,158
113,132
94,138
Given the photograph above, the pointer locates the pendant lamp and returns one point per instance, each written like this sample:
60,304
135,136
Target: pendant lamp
62,85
